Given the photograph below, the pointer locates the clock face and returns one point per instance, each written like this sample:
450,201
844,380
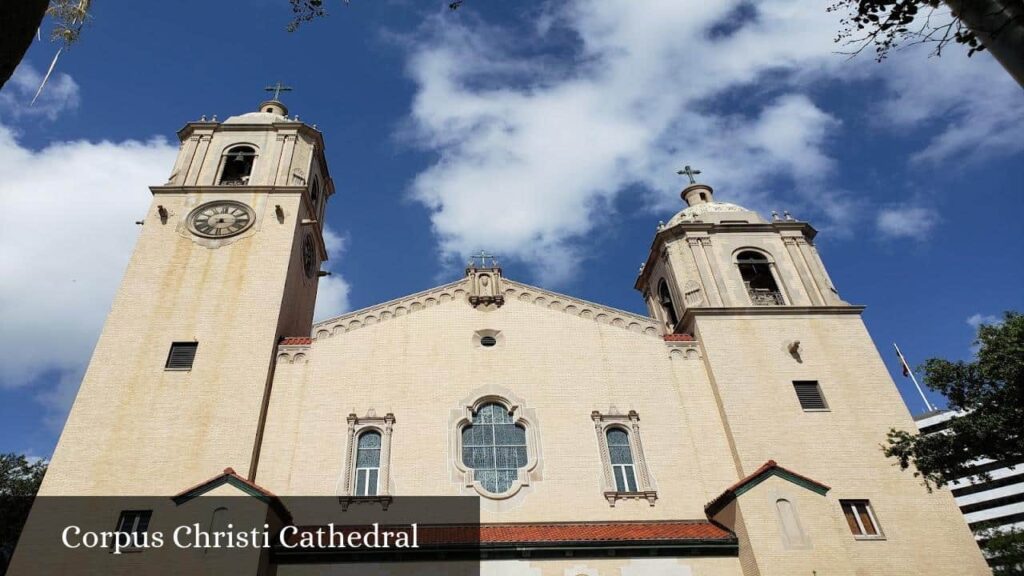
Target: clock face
220,219
309,256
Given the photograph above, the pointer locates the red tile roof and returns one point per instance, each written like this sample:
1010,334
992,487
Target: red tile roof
678,338
489,535
229,476
603,532
768,468
296,341
218,479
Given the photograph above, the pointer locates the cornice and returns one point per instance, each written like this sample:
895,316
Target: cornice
164,189
582,308
748,311
391,309
458,290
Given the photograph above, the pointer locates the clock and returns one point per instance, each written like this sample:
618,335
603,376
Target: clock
220,219
309,256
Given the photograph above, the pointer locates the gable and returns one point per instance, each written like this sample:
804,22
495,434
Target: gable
456,292
768,470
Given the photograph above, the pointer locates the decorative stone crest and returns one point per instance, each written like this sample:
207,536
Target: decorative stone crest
484,275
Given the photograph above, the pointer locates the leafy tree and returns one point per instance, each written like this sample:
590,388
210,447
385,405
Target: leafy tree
994,25
988,395
19,482
1005,547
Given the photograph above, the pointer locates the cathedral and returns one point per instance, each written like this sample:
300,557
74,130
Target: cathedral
734,430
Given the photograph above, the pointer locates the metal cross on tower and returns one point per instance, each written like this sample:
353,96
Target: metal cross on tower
689,172
483,257
277,89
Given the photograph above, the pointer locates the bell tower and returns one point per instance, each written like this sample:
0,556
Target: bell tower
796,380
719,255
226,263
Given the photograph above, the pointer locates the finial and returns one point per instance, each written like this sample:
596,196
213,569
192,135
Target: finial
214,119
296,118
775,216
661,224
690,173
786,214
202,118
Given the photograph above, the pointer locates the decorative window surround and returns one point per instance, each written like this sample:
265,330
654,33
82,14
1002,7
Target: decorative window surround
356,426
630,423
525,417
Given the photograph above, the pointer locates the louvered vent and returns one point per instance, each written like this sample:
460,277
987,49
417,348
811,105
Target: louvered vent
181,356
809,394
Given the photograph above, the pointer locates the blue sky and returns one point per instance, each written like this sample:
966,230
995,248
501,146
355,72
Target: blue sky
548,133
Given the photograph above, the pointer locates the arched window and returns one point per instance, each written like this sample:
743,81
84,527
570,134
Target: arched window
758,279
494,447
314,192
665,299
621,456
368,463
237,166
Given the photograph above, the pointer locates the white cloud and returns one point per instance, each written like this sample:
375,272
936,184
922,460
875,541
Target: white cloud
533,150
66,233
977,320
59,95
974,104
333,291
532,153
906,221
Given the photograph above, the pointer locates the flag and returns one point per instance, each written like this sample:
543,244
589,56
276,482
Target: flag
903,361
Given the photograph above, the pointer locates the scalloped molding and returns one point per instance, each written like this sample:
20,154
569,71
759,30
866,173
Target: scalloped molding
458,291
582,308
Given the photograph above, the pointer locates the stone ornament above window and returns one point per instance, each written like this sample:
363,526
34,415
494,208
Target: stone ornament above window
495,446
622,457
366,476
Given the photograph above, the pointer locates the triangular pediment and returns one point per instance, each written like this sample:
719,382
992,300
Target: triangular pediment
457,293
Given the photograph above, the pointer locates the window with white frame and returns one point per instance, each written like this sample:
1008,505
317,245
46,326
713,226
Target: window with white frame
625,468
367,463
621,457
861,519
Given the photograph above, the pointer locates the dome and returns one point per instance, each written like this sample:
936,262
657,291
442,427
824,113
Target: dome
714,212
256,118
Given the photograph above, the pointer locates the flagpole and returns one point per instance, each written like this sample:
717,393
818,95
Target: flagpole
909,372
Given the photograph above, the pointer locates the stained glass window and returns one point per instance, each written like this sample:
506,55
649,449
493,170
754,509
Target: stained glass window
621,456
494,447
367,463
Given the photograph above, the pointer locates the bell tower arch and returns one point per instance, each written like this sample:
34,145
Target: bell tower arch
227,262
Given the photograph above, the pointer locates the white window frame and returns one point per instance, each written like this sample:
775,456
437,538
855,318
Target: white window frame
853,503
357,426
367,469
645,485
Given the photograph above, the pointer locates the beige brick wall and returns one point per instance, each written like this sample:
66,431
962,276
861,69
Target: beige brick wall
423,365
752,370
